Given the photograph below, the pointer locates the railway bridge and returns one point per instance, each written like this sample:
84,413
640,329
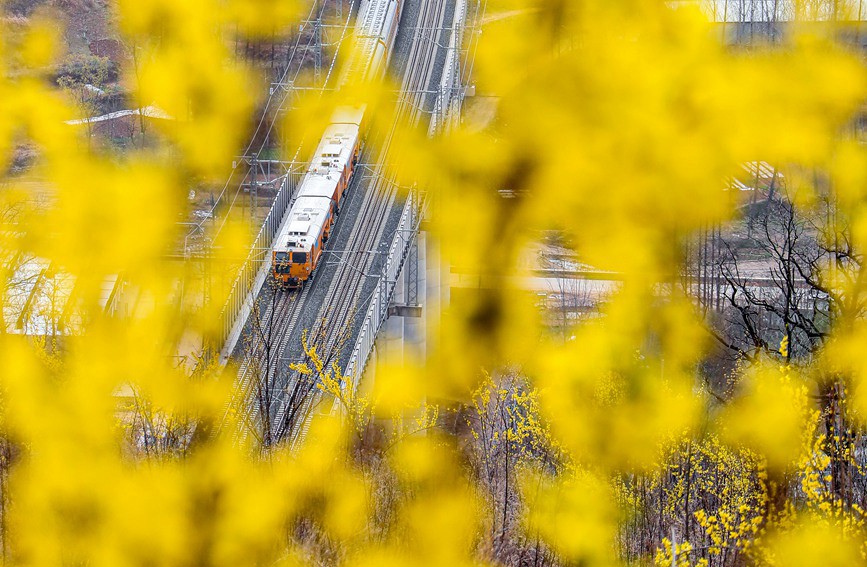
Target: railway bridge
372,279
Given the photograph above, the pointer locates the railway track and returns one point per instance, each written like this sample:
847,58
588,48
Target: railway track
279,396
344,296
286,309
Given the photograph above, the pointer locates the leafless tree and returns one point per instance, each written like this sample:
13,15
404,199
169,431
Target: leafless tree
805,281
509,439
261,347
83,78
301,391
784,295
152,432
572,294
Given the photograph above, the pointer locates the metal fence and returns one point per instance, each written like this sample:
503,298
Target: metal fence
254,270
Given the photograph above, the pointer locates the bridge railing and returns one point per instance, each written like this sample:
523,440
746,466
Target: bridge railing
377,311
447,111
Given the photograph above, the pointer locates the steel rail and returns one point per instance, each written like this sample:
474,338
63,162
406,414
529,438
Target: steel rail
421,66
289,313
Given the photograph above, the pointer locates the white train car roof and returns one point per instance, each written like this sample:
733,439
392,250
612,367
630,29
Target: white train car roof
304,224
313,203
375,30
334,152
320,184
349,115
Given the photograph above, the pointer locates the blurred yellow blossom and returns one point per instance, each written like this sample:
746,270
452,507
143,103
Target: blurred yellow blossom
616,126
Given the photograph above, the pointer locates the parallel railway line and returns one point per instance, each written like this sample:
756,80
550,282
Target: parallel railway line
287,405
346,289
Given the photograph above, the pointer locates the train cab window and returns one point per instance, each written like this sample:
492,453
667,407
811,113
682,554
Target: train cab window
299,257
281,260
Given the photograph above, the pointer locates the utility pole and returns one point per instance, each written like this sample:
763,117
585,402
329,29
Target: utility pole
317,48
254,186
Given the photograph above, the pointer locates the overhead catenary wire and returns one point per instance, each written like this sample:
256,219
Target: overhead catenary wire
277,97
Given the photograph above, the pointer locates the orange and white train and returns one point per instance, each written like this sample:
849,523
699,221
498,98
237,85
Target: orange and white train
299,244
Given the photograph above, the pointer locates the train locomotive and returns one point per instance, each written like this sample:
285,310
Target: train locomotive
299,244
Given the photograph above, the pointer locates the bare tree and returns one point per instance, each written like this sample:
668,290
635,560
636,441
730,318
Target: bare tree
787,284
152,432
261,346
301,389
787,300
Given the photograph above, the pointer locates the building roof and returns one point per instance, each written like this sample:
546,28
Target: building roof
147,112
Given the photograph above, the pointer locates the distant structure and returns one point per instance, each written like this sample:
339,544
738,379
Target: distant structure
758,11
743,22
42,300
121,124
112,49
